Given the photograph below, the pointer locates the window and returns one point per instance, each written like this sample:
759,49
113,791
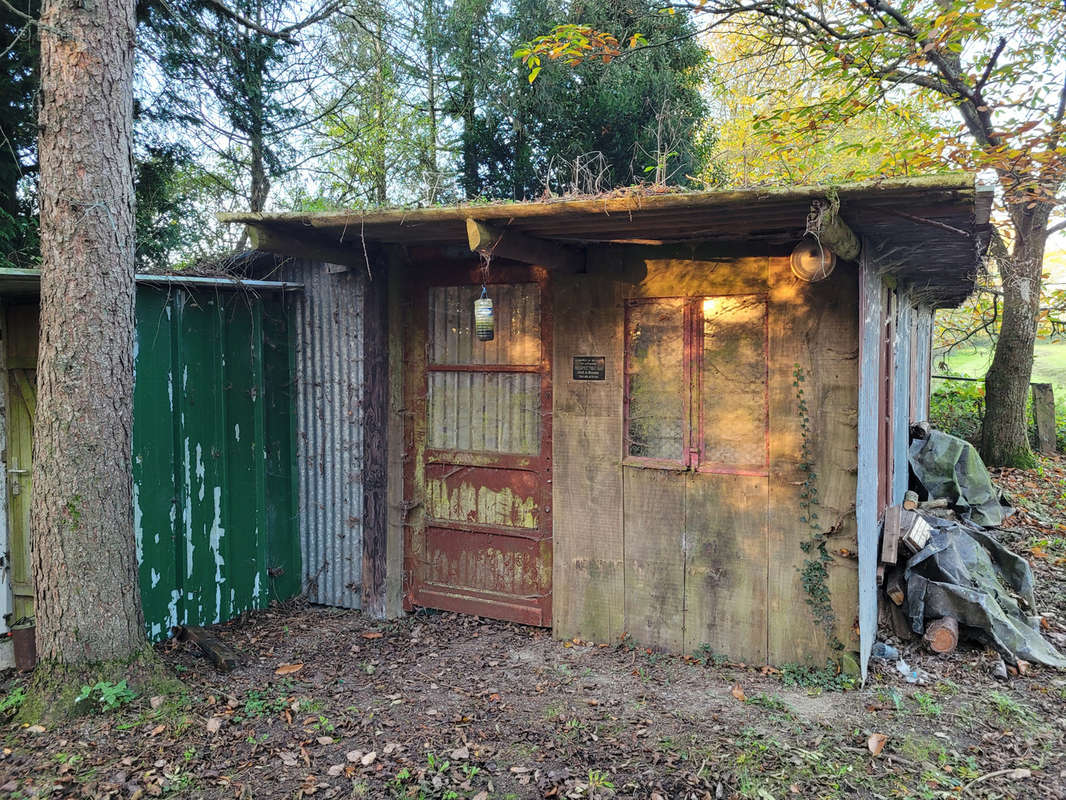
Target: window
696,383
484,396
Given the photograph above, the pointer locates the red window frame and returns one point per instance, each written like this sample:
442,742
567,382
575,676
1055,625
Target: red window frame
692,430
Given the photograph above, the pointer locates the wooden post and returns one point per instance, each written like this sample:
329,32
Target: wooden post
375,439
1044,417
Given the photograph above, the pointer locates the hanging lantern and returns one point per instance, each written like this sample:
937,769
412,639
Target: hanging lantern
811,261
484,319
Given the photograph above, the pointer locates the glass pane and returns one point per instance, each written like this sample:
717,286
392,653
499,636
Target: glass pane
734,415
493,412
516,308
655,379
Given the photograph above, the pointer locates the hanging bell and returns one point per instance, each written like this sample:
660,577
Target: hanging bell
484,319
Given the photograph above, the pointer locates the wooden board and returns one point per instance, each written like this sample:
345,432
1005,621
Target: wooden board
813,325
688,272
21,361
654,505
870,457
588,579
890,533
901,392
726,565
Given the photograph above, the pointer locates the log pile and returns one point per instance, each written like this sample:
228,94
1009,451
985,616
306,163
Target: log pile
904,533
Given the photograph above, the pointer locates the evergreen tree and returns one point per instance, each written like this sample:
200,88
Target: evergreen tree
642,117
19,81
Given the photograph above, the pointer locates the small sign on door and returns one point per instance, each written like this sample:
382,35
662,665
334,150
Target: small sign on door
590,368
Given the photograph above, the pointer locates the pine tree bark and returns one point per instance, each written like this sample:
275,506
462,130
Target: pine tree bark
88,606
1005,430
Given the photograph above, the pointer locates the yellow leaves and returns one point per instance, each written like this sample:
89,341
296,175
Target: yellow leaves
574,44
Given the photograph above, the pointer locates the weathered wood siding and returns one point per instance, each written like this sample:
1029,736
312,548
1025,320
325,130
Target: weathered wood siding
677,558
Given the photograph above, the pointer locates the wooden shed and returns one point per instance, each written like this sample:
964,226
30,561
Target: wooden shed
670,435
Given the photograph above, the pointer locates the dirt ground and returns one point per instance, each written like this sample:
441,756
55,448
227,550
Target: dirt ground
329,703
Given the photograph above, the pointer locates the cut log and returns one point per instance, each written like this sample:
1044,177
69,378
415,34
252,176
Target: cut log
221,654
936,502
942,635
824,222
492,241
910,501
894,587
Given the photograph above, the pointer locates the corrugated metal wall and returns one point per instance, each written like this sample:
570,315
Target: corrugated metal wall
328,321
214,491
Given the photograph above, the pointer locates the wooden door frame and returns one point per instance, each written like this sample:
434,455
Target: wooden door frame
416,452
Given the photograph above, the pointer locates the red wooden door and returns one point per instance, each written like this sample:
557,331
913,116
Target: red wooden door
478,488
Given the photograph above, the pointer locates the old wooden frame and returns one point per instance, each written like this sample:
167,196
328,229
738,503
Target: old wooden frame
692,420
419,455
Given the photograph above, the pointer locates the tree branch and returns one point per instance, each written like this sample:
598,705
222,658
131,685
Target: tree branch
990,65
228,12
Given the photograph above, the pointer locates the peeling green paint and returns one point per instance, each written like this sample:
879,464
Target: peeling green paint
214,494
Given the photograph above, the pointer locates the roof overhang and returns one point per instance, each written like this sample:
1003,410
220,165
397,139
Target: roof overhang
928,231
27,282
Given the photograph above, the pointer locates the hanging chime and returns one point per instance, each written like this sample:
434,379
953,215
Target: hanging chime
484,320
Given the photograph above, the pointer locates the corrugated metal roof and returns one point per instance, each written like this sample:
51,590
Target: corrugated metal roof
928,230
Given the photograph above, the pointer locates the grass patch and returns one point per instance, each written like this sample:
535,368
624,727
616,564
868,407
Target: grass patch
770,702
1009,710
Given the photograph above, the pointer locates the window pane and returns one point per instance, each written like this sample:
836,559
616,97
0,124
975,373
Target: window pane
655,379
484,412
733,402
451,325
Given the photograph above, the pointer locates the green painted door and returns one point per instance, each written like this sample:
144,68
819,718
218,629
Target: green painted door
22,404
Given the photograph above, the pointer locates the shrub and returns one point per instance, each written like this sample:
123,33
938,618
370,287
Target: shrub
957,407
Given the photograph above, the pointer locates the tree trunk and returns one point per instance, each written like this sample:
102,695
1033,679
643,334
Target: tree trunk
381,137
429,166
260,183
1005,432
88,603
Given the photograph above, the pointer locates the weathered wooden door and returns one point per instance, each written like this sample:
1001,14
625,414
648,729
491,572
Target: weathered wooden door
22,323
478,488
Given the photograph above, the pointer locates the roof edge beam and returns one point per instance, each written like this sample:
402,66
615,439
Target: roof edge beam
271,241
492,241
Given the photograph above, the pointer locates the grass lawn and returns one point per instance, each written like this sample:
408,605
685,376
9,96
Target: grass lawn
1049,365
